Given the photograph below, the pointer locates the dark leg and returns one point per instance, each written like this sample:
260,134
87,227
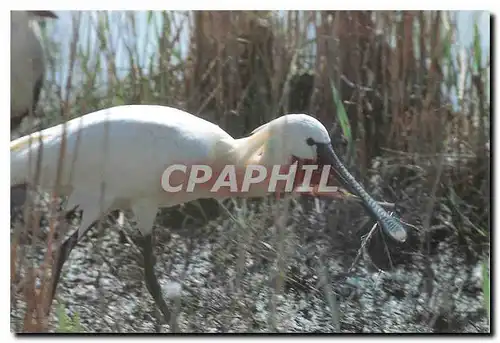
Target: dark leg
62,255
18,199
64,251
151,280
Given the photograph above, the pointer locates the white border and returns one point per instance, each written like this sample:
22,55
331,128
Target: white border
185,5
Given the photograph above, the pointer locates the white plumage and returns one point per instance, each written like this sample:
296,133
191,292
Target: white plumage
128,148
27,63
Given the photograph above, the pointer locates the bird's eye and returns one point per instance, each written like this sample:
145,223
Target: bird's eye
310,141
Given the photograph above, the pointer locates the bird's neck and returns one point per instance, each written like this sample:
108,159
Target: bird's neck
267,154
274,152
257,149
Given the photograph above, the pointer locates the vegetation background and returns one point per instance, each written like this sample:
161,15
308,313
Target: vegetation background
408,108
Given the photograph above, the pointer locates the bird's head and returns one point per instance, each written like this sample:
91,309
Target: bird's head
295,137
302,139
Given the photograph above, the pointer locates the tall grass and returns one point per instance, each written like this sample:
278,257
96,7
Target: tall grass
391,84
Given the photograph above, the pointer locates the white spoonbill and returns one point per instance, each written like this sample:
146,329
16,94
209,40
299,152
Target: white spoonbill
128,148
27,66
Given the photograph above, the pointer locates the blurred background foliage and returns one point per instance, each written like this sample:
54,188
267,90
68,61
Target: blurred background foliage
401,82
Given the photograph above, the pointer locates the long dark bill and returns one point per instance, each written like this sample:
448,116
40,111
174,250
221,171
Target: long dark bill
390,225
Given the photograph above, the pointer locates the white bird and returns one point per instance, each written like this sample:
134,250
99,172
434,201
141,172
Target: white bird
27,64
128,148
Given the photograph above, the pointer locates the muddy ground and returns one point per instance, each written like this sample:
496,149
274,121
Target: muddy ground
231,279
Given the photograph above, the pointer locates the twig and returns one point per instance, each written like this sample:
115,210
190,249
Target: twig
363,244
426,223
330,296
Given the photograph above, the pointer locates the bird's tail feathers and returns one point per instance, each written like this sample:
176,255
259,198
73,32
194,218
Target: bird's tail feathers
21,151
26,142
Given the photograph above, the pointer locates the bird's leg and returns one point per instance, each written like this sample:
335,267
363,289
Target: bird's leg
62,255
145,213
89,215
150,277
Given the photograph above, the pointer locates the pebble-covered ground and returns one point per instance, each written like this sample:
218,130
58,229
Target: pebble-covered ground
249,276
